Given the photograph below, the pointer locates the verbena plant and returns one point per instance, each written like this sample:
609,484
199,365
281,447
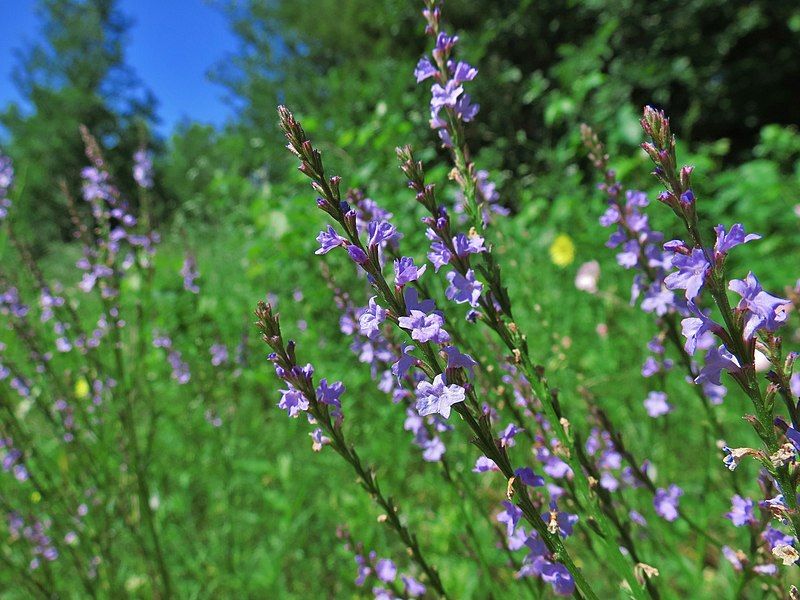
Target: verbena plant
432,359
552,498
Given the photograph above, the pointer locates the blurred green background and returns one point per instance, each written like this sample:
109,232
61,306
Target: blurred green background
247,510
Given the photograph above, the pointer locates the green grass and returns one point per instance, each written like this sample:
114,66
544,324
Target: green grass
248,510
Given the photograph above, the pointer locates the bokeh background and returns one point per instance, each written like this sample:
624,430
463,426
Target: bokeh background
246,508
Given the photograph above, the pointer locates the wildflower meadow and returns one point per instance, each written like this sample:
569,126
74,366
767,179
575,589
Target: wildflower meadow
425,318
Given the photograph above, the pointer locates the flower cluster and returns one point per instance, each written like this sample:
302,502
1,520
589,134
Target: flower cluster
451,107
767,543
447,93
12,460
101,254
376,347
143,168
180,369
643,251
323,408
380,574
446,248
6,181
190,274
752,322
37,537
539,561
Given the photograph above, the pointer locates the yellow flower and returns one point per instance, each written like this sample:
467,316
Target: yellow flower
36,497
562,250
81,388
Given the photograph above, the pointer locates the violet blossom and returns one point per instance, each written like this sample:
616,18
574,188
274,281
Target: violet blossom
666,502
438,397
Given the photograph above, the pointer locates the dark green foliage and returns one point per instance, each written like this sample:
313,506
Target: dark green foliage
545,67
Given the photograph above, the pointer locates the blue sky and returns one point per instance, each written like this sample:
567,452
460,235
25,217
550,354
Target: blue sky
172,44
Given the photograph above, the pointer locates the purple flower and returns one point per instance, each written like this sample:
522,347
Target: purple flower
484,464
564,522
318,439
190,273
445,96
741,511
768,569
6,181
437,397
637,518
727,241
380,232
528,477
509,517
775,537
635,198
466,245
714,393
357,254
370,320
404,363
293,402
405,271
180,370
6,173
666,502
733,557
650,367
439,255
433,450
691,273
364,568
425,328
444,44
329,394
656,404
411,296
694,328
379,593
463,288
763,310
464,72
143,168
466,109
552,464
506,438
611,216
559,577
219,354
629,257
424,70
658,300
687,198
718,359
488,196
328,240
386,570
457,360
412,587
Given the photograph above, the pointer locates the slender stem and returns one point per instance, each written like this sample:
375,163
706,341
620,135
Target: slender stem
128,422
370,484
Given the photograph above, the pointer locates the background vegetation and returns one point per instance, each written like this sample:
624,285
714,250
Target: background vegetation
246,509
